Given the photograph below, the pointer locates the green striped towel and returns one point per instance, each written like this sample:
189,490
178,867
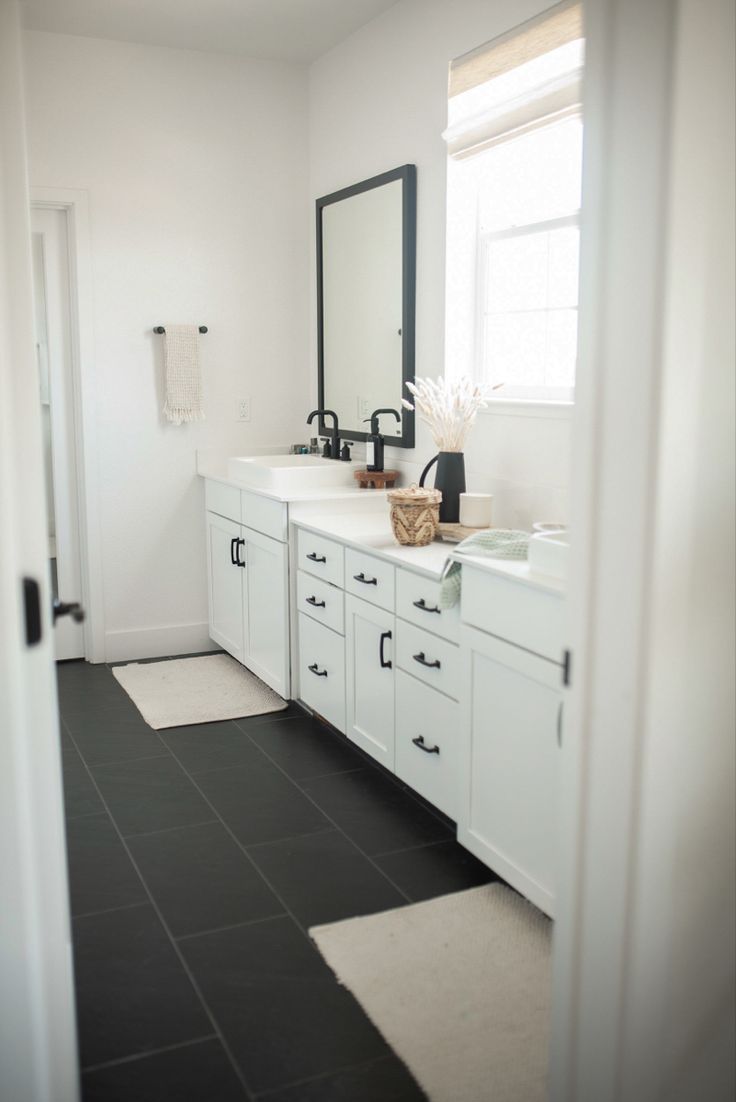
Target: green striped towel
496,543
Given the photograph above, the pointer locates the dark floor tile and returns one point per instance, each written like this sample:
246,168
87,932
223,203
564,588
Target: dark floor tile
280,1008
324,878
80,794
105,734
198,1072
383,1081
259,804
133,995
206,746
150,794
376,813
201,879
435,870
305,748
101,875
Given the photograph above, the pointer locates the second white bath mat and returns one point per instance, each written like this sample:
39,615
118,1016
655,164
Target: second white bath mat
184,691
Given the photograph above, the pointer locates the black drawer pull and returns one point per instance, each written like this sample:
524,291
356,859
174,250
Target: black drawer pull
384,664
419,741
317,671
366,581
423,661
315,557
315,603
422,604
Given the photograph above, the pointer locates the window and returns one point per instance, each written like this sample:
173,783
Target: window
514,180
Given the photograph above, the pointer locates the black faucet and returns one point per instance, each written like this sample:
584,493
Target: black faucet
334,445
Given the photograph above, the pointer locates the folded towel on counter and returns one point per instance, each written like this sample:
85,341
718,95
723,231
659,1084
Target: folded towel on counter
493,543
183,377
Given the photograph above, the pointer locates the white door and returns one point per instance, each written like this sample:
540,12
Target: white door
38,1060
266,610
55,385
513,732
225,568
370,636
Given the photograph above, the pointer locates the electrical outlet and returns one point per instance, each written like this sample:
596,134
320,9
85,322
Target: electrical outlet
243,409
363,411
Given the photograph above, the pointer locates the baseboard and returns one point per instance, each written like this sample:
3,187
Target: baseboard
127,646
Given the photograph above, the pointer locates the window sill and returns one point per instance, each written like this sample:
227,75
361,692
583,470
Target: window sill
528,407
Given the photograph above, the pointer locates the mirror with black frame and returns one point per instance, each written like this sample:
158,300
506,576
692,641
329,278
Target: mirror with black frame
366,280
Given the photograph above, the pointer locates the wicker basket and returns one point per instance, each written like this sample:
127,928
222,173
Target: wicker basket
415,514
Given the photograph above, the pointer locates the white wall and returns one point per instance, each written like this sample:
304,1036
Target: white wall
380,100
195,166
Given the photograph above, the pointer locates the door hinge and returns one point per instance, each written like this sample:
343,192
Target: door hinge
566,668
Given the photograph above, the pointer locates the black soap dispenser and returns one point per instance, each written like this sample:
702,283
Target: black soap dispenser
374,444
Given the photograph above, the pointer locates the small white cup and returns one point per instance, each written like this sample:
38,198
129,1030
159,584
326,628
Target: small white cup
475,510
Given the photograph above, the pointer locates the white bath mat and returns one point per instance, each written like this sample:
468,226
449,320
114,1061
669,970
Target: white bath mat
195,690
460,988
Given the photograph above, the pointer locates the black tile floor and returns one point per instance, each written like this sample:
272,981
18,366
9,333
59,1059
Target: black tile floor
198,859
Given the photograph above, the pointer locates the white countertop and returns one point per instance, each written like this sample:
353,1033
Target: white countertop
372,532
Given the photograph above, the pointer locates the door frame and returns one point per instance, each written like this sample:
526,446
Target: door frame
74,204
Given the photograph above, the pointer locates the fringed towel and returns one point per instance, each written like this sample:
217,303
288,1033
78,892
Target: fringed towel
183,377
495,543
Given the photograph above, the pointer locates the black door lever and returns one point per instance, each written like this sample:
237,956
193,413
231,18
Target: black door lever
73,609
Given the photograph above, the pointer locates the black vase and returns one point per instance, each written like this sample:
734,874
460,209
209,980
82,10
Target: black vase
450,479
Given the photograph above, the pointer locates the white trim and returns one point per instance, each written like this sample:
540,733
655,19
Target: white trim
75,203
528,407
159,642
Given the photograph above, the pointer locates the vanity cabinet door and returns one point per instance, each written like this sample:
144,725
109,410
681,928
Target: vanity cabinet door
512,737
265,610
370,636
225,583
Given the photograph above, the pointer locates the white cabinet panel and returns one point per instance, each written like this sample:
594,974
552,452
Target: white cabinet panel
322,671
525,615
418,601
264,514
225,583
369,637
432,660
427,742
222,499
369,578
507,813
321,601
320,556
265,610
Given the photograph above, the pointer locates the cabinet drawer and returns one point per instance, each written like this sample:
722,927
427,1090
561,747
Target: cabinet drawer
519,613
322,670
432,660
223,500
320,556
321,601
418,600
264,515
369,578
427,750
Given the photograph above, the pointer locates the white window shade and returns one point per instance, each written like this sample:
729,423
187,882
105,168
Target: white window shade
516,83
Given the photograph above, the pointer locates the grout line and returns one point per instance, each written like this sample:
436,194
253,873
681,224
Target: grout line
365,1066
232,926
123,761
321,776
410,849
110,910
167,830
151,1052
329,829
172,939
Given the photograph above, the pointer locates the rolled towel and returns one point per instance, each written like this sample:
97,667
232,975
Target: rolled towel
183,377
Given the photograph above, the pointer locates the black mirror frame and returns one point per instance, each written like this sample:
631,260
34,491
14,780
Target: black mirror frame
408,176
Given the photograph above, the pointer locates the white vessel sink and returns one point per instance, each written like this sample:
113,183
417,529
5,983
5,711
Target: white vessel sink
283,473
548,553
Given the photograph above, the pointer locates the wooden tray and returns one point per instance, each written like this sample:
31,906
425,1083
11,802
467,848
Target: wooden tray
378,480
454,533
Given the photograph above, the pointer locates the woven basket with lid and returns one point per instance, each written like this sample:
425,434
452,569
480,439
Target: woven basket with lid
415,514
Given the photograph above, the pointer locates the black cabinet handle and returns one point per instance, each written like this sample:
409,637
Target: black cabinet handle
384,664
233,550
423,661
238,544
315,557
419,741
316,670
366,581
422,604
315,603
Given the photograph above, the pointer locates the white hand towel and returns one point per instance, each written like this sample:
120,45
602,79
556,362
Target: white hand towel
183,375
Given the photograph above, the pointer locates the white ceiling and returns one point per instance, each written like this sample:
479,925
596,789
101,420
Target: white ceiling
286,30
